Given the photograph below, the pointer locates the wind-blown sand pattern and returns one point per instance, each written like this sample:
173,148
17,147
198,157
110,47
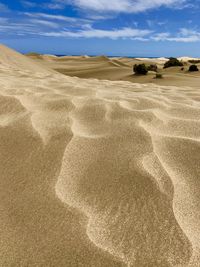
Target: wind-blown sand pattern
96,173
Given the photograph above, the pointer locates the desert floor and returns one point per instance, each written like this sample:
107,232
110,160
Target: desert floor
97,173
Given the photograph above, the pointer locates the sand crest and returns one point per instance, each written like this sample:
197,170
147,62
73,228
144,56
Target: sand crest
96,173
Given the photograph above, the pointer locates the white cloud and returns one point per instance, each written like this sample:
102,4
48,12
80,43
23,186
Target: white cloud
54,5
45,23
127,6
189,39
17,28
96,33
189,32
161,36
28,4
184,35
56,17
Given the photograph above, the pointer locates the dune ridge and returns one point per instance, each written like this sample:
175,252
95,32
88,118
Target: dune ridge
96,173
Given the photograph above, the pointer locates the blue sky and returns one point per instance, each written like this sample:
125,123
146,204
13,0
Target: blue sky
109,27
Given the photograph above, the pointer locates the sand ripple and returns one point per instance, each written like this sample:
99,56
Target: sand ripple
122,157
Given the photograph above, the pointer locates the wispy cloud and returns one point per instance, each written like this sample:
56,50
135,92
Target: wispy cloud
18,29
28,4
57,18
31,23
49,25
184,35
54,5
126,6
53,24
45,23
97,33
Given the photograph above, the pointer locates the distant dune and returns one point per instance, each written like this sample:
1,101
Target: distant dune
96,173
120,69
188,58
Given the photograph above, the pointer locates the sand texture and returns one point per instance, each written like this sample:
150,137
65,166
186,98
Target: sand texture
96,173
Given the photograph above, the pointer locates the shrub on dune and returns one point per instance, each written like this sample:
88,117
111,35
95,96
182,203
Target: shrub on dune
193,68
173,62
194,61
152,67
32,54
158,76
140,69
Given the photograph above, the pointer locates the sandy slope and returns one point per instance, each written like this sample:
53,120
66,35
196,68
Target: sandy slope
96,173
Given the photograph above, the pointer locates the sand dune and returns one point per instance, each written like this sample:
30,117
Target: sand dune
119,69
96,173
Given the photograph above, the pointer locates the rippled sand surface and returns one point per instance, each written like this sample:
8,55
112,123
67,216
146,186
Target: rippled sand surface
96,173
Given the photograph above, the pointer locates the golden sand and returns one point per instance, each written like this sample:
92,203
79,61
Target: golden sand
96,173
